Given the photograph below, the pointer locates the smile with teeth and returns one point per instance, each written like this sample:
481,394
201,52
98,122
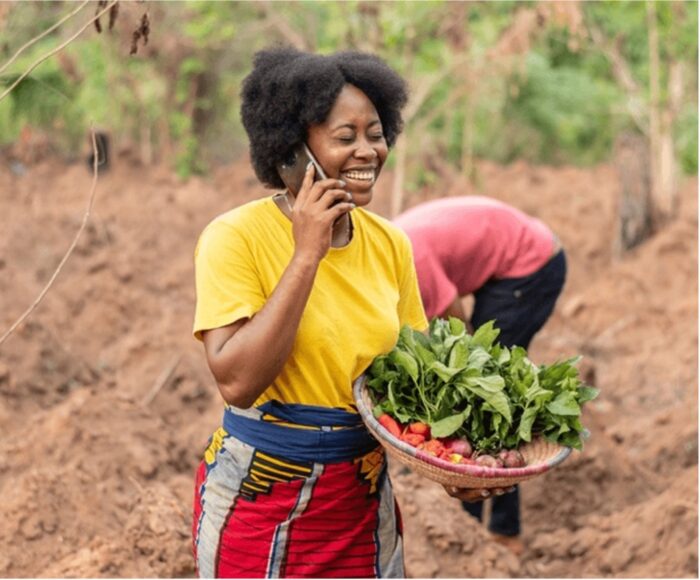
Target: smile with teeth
364,175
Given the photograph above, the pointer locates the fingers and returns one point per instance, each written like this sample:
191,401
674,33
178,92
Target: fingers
320,188
340,208
335,196
474,495
307,182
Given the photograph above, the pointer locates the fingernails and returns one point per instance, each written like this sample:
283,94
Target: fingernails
309,165
342,183
485,493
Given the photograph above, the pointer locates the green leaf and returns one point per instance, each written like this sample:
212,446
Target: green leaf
457,327
426,356
492,383
538,395
406,362
496,399
444,372
586,394
564,404
485,335
478,358
458,356
526,422
447,426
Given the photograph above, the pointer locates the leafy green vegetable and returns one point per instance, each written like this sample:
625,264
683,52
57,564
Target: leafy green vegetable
471,386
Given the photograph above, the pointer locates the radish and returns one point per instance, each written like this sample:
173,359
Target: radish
488,461
511,458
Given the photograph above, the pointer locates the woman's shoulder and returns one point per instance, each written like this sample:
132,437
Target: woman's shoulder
240,221
242,215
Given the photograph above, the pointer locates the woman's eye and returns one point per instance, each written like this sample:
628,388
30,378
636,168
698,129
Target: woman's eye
346,139
377,137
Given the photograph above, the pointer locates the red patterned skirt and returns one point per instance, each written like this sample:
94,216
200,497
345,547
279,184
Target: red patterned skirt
258,514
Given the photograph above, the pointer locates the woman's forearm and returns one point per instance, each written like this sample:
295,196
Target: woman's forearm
248,361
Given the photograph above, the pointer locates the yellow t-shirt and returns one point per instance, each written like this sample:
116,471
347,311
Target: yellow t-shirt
362,294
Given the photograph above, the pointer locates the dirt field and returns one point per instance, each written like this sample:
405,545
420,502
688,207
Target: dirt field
96,469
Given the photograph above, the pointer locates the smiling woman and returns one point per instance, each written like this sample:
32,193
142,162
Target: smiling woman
296,295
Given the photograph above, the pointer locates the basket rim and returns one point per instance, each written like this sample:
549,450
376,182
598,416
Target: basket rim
479,471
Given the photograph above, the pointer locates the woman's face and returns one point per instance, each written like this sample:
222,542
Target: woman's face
350,144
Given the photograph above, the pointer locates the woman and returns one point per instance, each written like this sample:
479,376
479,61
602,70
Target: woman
295,297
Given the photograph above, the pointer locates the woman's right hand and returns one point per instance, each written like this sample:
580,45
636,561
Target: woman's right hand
315,211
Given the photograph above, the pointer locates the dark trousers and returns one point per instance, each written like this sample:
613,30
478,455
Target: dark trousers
520,307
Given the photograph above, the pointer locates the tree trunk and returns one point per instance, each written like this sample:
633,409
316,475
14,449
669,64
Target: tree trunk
633,212
661,198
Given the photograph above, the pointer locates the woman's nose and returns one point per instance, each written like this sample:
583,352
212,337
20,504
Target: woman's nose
365,151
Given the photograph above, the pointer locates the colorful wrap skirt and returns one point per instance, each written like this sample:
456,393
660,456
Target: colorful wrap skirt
295,491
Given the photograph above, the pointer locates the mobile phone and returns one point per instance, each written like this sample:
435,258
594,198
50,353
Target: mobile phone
292,171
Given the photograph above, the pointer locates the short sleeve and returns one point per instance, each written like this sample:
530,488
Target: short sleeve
410,306
228,286
437,290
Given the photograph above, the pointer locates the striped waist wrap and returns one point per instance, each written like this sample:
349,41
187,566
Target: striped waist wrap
328,435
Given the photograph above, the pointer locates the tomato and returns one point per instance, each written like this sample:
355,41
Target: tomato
420,429
414,439
433,446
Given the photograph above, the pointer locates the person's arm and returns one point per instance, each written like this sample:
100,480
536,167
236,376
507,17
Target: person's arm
457,310
245,357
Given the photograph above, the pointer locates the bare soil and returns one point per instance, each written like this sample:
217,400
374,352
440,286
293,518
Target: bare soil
96,468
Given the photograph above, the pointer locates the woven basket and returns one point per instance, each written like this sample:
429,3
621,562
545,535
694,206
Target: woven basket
540,455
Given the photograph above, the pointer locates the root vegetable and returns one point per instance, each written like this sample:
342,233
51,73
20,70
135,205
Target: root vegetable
511,458
457,445
488,461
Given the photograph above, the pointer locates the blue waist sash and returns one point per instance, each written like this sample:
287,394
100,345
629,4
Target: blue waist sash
321,445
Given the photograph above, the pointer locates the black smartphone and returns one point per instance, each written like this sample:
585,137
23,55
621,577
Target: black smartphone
292,172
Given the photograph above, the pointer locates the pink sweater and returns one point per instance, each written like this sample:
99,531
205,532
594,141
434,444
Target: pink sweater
459,243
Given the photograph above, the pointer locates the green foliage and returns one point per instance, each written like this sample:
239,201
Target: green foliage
569,111
471,386
564,105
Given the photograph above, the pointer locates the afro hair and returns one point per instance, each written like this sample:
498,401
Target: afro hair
288,90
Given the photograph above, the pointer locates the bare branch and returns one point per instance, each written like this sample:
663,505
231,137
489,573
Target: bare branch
624,77
162,380
47,31
86,217
423,90
55,50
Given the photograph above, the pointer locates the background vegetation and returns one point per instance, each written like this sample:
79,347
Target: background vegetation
542,81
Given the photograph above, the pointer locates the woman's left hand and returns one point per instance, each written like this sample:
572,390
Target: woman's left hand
471,495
